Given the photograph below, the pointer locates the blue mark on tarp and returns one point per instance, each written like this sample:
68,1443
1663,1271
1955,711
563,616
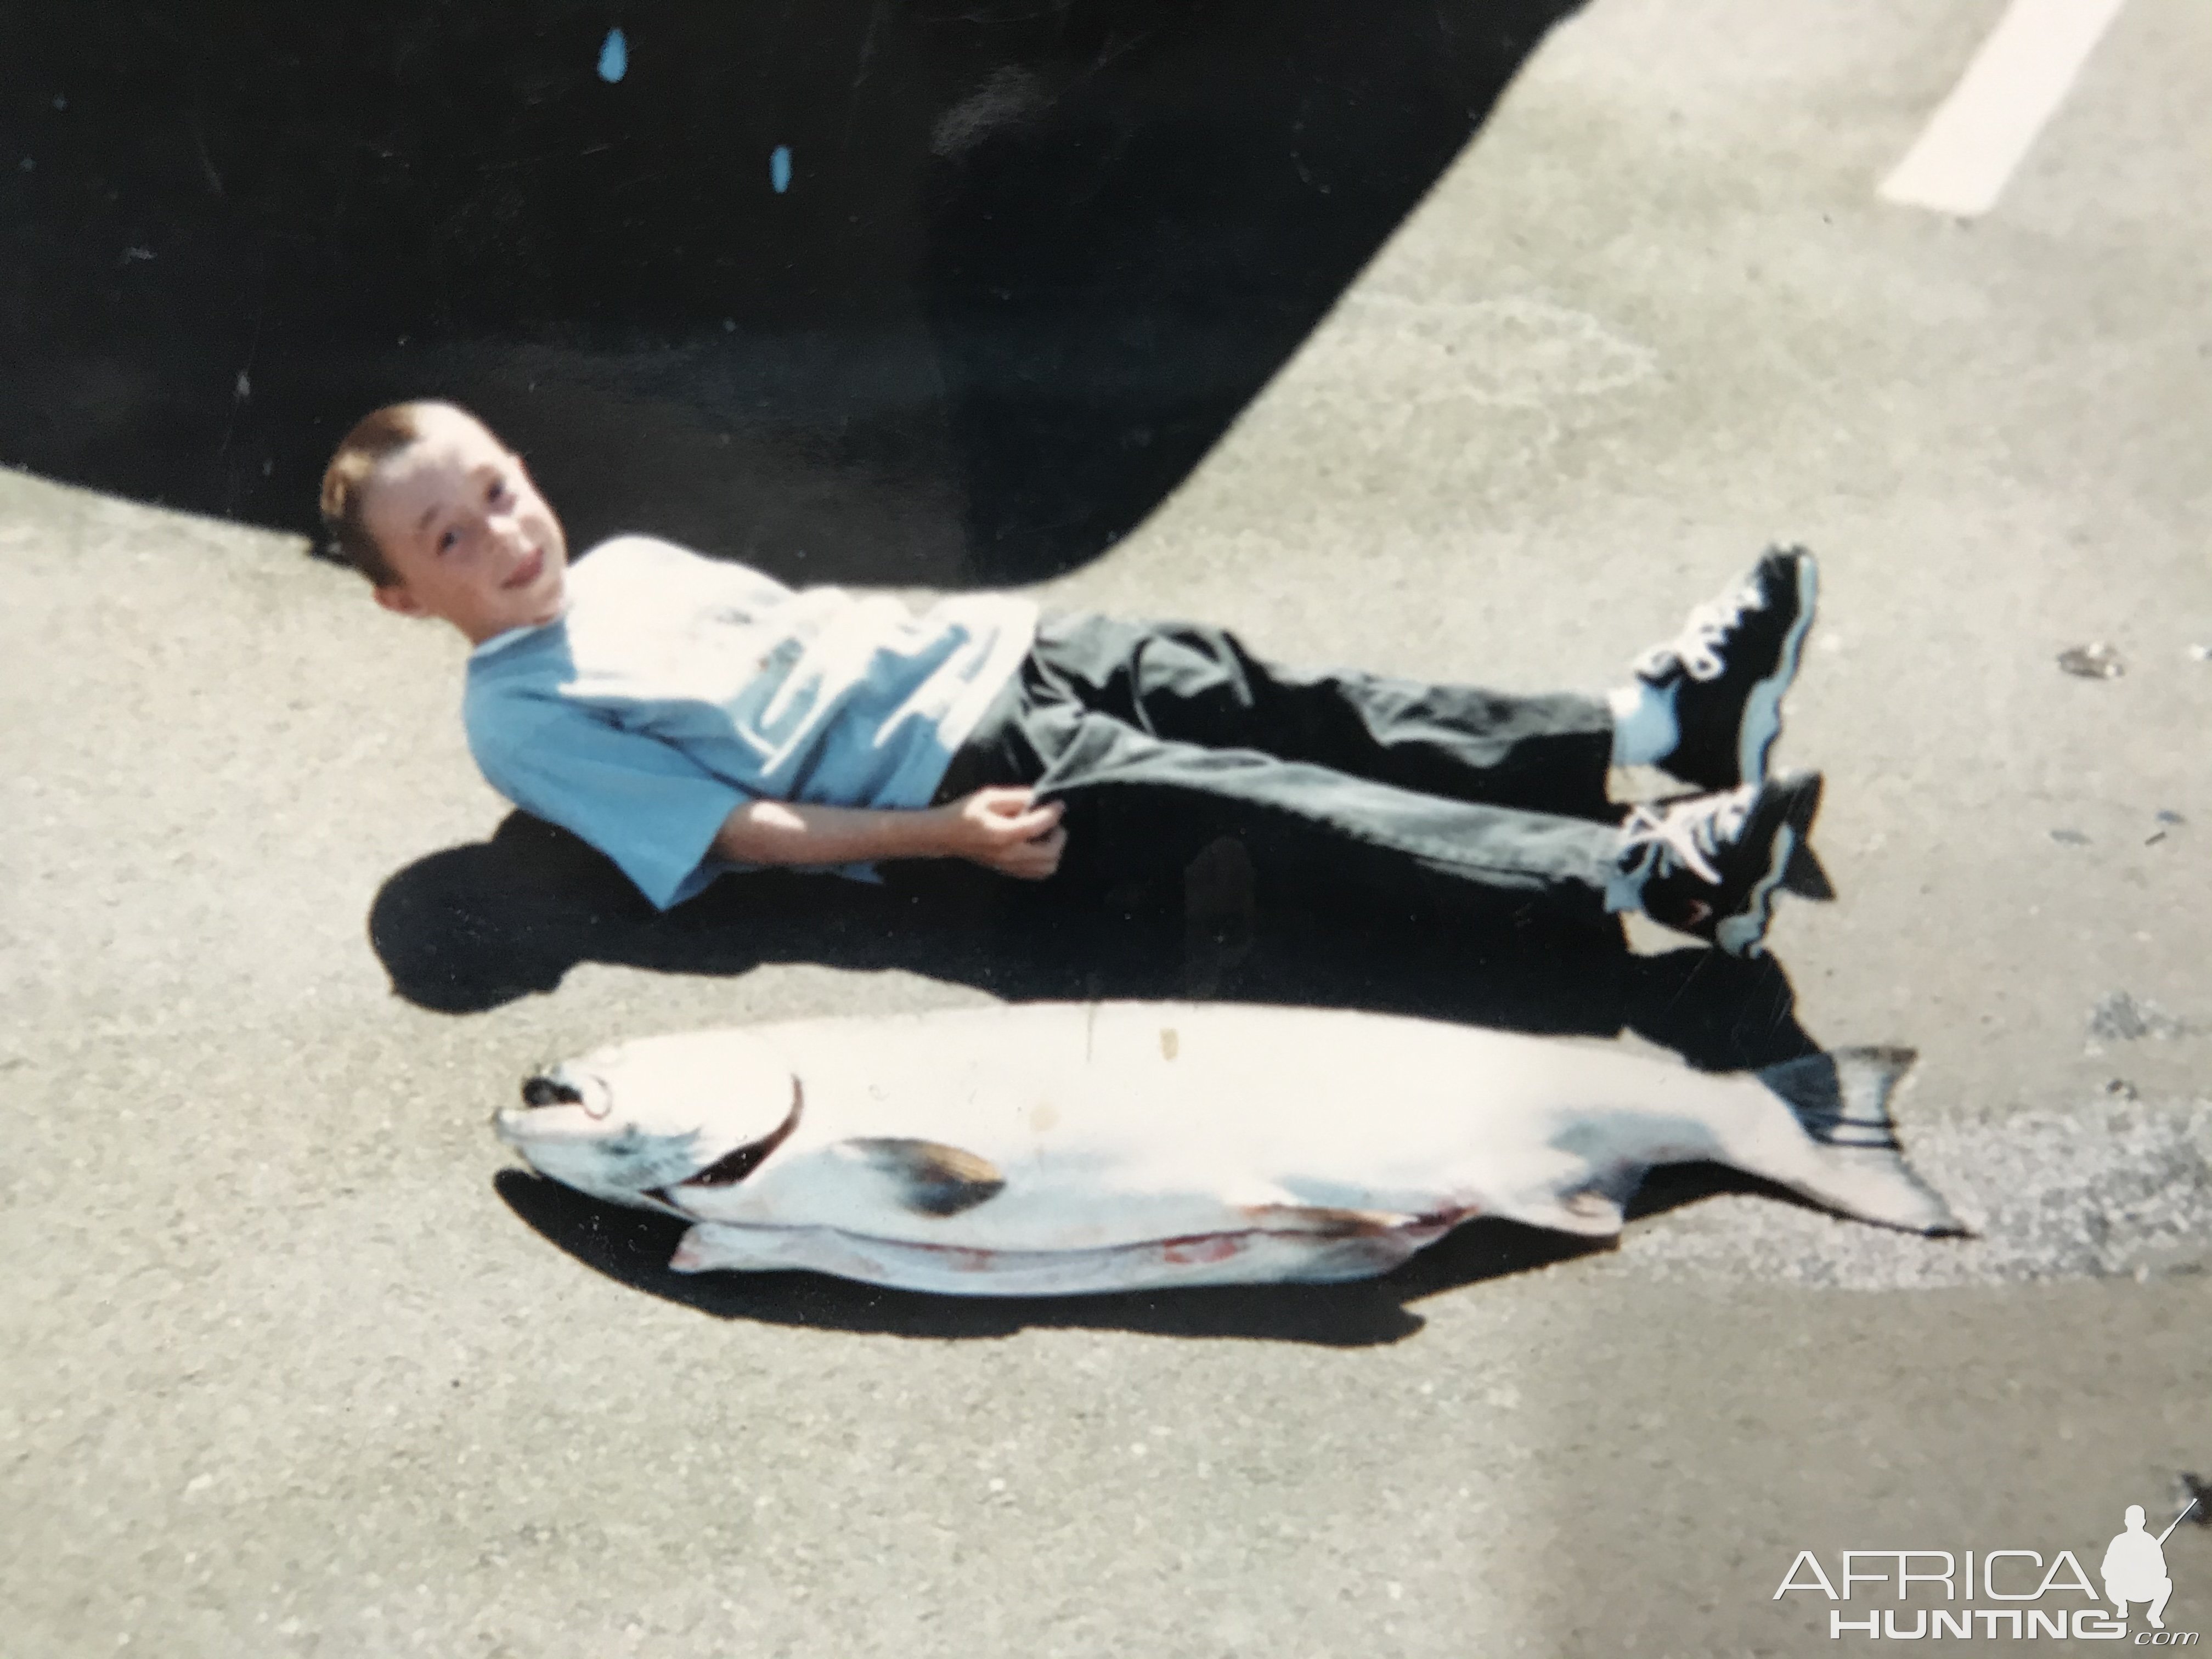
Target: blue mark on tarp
614,57
778,168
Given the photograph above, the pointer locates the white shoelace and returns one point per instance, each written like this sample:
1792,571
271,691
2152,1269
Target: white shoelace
1697,647
1688,832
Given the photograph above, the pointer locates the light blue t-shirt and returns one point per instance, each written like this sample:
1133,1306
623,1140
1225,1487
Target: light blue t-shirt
674,687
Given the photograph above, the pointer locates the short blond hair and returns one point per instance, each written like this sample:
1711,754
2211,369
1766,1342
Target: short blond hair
374,440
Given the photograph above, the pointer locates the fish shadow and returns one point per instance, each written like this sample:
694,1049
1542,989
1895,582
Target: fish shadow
632,1246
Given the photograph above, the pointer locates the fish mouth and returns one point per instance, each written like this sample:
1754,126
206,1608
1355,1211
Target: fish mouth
548,1092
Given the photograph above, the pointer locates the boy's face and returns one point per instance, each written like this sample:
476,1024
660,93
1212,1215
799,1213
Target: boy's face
465,533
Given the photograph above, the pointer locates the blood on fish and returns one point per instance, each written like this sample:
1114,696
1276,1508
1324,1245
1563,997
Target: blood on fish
1202,1248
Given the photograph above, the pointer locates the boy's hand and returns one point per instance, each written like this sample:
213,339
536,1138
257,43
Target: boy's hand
1004,830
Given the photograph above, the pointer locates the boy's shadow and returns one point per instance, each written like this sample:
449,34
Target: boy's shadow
472,927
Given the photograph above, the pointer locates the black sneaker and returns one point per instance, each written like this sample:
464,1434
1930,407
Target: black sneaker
1728,667
1710,865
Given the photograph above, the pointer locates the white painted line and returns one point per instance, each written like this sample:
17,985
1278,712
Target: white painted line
2014,85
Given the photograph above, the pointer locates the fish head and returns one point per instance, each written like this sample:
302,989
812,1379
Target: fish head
625,1122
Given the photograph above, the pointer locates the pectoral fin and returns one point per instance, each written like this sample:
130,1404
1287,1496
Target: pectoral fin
1327,1220
931,1177
693,1254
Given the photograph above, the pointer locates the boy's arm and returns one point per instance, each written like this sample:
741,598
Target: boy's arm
1002,830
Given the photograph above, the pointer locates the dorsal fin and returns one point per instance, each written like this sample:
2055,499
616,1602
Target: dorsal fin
932,1177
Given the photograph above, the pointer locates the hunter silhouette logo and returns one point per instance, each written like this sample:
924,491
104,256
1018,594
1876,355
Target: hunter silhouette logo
2026,1593
2134,1567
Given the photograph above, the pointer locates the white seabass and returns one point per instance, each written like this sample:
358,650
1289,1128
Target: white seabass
1053,1148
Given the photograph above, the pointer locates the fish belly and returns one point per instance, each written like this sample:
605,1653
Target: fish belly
1248,1257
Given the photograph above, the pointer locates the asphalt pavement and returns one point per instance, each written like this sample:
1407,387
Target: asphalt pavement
298,1368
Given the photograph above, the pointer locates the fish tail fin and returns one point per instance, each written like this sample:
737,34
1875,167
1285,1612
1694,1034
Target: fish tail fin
1841,1101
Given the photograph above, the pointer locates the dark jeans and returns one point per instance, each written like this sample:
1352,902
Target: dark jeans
1161,737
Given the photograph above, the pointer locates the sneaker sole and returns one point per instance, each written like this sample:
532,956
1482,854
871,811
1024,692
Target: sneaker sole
1744,934
1762,707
